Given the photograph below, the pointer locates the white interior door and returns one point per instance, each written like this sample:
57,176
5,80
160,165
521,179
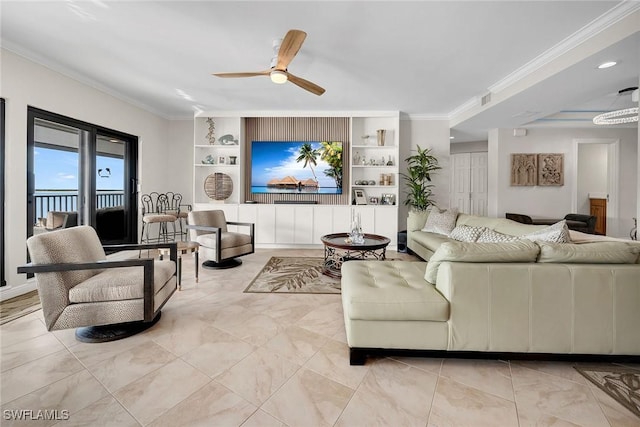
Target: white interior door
460,182
479,193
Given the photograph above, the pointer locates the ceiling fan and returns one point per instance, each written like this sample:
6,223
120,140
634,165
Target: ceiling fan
278,72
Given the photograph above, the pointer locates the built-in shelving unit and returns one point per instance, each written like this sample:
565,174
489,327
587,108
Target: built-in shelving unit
225,154
300,225
374,167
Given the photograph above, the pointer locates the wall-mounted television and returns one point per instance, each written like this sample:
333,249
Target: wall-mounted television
296,167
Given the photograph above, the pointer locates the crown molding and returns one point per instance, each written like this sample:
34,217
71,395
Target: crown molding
424,116
471,103
44,62
609,18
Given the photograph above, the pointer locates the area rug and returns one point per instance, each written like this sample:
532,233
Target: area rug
301,275
17,307
619,382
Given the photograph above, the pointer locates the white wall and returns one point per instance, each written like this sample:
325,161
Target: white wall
432,134
180,153
24,83
556,201
469,147
592,173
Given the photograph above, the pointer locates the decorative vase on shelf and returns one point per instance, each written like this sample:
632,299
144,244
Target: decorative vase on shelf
381,133
211,137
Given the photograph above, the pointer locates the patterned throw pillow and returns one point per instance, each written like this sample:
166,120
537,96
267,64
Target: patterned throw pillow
441,222
556,233
466,233
491,236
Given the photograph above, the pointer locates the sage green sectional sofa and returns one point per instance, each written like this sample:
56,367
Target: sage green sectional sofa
522,298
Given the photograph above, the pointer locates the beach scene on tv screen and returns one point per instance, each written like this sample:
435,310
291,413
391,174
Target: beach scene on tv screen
296,167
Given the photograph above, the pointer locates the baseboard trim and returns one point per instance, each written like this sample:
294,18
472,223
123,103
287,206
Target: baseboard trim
8,292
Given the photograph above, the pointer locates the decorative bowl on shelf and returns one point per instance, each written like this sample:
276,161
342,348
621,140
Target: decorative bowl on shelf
371,182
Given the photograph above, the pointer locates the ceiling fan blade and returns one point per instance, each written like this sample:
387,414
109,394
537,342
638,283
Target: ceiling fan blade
289,48
248,74
305,84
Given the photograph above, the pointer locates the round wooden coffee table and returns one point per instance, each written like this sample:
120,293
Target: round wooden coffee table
337,249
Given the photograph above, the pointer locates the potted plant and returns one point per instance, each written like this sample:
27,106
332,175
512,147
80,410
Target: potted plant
418,178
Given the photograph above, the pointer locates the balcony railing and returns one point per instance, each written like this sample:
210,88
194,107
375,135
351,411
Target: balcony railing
67,200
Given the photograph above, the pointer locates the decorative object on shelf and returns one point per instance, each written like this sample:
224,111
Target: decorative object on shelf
227,140
380,133
209,160
232,160
221,160
365,138
371,182
385,179
359,197
374,200
551,169
524,167
356,235
211,137
390,162
364,160
388,199
218,186
419,167
356,158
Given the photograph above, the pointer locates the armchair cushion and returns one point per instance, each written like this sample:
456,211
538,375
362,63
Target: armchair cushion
227,240
121,284
73,245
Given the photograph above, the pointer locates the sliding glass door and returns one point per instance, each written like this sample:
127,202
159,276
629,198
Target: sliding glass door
79,173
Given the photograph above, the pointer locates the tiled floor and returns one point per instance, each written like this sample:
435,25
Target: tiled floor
220,357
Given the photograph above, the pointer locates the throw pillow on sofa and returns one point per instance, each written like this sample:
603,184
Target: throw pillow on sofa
441,221
466,233
589,253
556,233
516,251
491,236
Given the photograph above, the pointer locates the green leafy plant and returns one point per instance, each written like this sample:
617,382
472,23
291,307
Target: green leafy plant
418,178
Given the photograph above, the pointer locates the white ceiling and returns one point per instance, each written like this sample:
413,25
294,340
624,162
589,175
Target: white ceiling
424,58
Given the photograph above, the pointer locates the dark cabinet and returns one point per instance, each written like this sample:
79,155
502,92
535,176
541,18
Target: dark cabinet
598,208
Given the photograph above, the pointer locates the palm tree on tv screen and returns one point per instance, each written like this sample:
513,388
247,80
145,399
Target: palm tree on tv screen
309,155
332,154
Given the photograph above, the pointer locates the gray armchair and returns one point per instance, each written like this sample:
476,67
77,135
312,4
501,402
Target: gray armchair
105,299
219,246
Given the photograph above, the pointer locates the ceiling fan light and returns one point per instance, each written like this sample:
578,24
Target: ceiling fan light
278,77
628,115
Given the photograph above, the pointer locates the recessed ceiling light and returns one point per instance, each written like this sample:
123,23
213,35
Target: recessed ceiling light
607,64
452,137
